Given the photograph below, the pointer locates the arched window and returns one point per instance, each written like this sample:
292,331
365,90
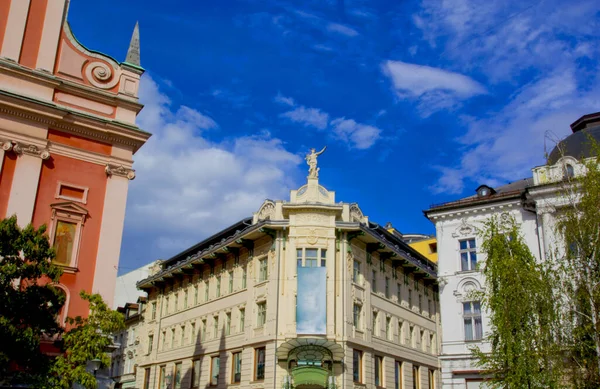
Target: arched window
61,316
569,171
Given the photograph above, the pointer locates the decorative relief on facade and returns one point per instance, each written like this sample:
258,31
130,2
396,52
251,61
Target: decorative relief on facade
350,261
119,170
464,229
271,256
356,214
308,218
5,145
32,150
267,211
100,75
312,237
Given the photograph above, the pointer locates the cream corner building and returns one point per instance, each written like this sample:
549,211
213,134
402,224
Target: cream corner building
306,293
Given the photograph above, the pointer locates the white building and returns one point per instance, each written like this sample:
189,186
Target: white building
126,291
533,203
127,342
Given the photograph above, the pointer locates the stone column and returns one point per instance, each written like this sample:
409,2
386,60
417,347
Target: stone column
23,191
111,231
15,29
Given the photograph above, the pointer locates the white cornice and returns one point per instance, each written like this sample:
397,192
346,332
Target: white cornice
475,210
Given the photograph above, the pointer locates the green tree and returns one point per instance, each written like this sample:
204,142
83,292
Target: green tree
29,304
518,295
578,228
89,339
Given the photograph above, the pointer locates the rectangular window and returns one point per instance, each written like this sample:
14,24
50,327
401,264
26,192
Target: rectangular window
218,288
259,361
215,327
172,337
410,298
147,378
472,320
468,255
193,333
374,282
150,343
177,378
228,324
236,374
162,379
196,373
230,288
263,273
375,322
420,303
432,344
166,307
323,257
356,272
416,378
176,301
153,315
378,370
387,287
206,291
215,363
357,311
401,338
242,319
65,236
244,276
203,329
196,291
261,317
182,336
399,293
357,366
164,340
185,299
311,257
388,328
431,379
398,376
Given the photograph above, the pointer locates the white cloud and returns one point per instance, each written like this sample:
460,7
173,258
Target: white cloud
187,186
342,29
356,135
417,80
281,99
308,116
503,146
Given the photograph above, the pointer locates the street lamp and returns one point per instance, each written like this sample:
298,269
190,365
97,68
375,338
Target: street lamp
95,365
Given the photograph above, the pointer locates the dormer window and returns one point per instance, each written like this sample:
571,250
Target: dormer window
569,171
66,227
485,191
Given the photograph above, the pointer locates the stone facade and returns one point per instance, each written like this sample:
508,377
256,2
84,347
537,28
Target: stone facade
235,296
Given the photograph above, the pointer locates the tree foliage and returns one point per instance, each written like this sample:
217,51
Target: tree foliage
578,254
28,303
518,295
89,339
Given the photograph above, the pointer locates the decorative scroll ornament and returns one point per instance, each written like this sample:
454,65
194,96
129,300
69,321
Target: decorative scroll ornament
356,214
119,170
311,160
32,150
6,145
100,75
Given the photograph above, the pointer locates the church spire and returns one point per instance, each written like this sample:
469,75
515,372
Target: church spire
133,53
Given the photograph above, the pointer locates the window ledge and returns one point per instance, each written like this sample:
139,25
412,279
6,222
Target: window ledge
67,269
259,283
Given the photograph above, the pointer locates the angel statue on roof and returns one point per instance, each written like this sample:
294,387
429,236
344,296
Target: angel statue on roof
311,160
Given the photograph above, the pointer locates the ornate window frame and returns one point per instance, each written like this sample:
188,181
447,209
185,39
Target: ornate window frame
69,212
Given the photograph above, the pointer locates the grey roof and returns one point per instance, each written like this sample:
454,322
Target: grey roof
576,145
133,53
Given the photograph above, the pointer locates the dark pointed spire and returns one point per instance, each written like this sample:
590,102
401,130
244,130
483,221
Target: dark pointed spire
133,53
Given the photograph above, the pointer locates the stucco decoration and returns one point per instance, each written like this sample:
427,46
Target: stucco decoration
32,150
312,237
356,214
267,211
101,75
350,257
464,229
119,170
466,287
5,145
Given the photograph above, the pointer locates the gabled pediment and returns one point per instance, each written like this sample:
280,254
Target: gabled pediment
69,207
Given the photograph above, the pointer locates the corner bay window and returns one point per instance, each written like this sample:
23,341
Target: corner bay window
472,320
259,364
468,255
310,257
357,366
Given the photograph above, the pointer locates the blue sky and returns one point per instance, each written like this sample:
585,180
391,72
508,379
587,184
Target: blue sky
418,102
